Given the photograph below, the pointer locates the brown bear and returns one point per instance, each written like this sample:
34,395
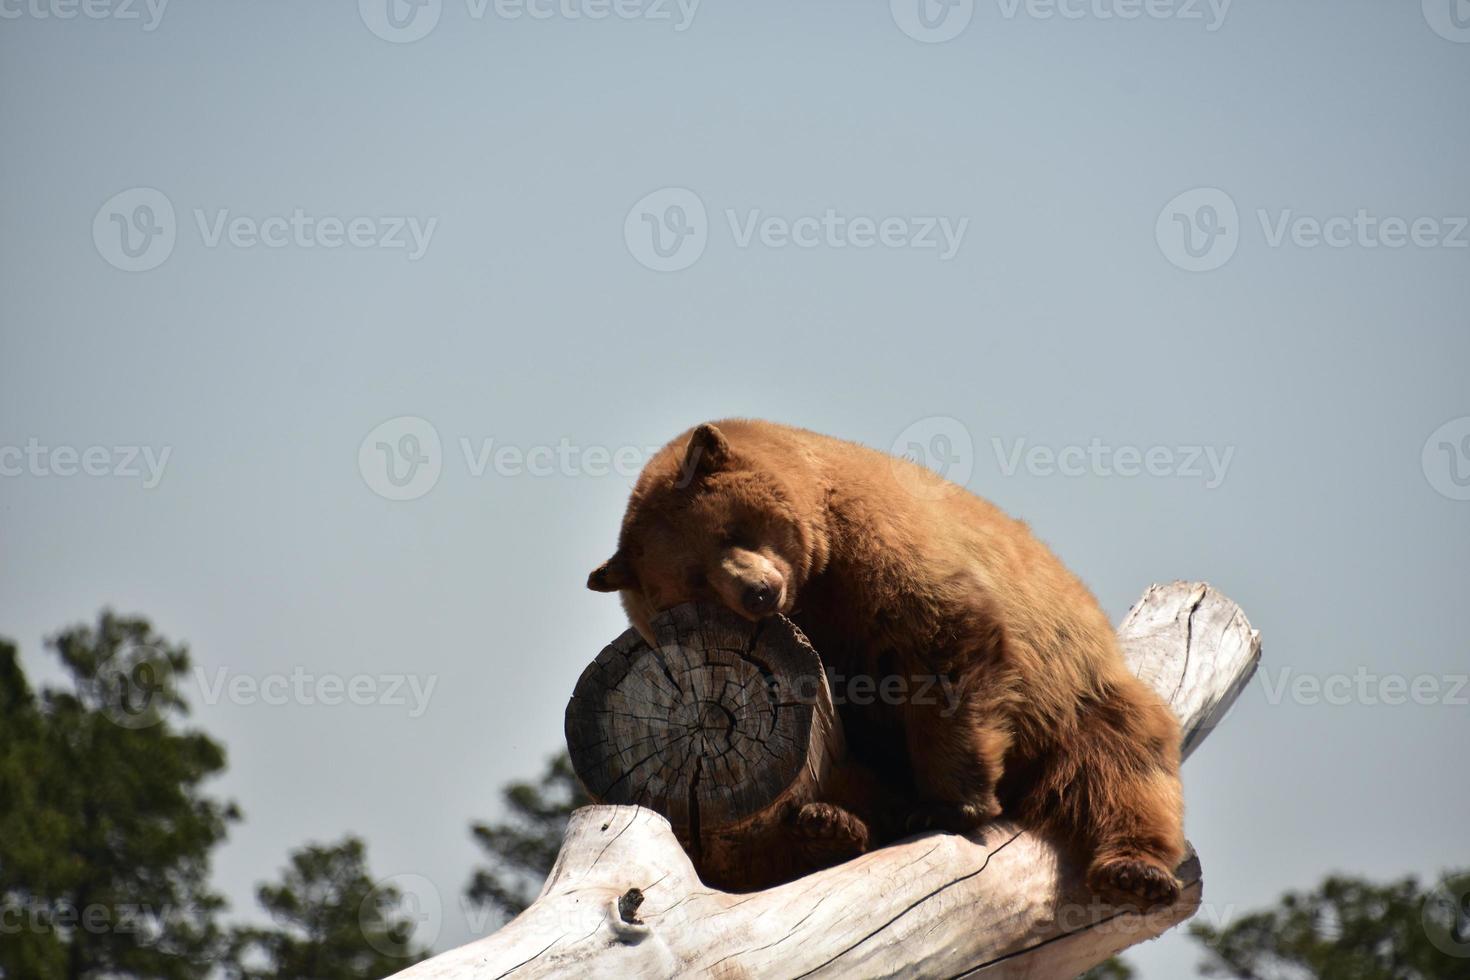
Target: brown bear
894,573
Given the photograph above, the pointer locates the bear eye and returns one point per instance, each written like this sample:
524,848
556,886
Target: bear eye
735,537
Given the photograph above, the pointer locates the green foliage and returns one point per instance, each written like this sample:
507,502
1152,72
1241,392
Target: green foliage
1109,969
105,837
522,850
333,922
105,834
1349,929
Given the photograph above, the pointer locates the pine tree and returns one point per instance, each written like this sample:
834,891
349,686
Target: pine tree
332,922
105,831
522,850
1349,929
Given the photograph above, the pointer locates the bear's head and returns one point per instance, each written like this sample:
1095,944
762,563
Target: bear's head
734,519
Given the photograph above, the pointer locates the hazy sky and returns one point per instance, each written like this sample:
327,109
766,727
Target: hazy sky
1041,240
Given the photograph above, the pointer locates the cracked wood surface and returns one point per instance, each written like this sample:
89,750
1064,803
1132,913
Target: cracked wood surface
720,727
1000,903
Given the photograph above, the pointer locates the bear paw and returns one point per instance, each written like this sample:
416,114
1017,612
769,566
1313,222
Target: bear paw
957,818
1133,882
828,833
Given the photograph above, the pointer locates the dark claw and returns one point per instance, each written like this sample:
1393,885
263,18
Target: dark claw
830,830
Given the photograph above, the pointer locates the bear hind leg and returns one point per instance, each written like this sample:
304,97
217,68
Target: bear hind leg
1137,841
1114,792
957,763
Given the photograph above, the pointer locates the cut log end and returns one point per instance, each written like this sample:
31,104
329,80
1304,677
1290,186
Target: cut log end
717,727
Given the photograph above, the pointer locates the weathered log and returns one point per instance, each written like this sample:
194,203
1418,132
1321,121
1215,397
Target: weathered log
723,726
624,900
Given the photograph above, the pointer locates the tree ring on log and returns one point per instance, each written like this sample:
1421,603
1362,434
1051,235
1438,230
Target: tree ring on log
710,728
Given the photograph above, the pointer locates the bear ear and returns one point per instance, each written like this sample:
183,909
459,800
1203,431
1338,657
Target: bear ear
612,575
708,451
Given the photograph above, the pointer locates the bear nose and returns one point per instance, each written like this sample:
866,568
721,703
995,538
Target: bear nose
759,599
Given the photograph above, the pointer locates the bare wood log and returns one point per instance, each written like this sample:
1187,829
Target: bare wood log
723,727
623,899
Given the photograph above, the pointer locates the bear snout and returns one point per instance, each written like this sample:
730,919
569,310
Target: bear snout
750,583
760,599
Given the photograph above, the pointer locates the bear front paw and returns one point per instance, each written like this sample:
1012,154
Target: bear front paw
828,834
1133,882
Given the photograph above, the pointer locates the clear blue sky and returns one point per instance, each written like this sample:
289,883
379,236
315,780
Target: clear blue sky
1066,155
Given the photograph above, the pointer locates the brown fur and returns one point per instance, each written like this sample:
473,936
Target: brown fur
892,571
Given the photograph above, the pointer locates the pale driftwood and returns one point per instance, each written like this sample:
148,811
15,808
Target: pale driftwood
723,726
623,899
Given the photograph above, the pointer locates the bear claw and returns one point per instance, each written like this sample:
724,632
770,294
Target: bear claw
828,833
1134,882
824,821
